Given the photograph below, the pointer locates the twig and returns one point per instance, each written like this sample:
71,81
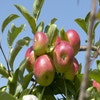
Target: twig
5,60
84,83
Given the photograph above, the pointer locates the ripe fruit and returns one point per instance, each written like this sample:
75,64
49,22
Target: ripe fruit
96,85
43,70
57,41
72,71
40,43
74,40
63,56
31,59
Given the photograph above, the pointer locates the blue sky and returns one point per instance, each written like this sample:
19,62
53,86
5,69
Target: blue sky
66,11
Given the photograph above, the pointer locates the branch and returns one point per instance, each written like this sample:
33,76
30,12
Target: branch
84,84
5,60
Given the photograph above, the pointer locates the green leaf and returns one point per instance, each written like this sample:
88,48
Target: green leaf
63,35
14,33
98,64
97,43
13,53
8,20
30,19
81,23
40,27
52,33
3,71
6,96
15,86
95,26
37,6
53,20
99,2
95,74
27,79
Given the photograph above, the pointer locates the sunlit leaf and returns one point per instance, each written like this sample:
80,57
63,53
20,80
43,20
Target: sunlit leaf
27,79
98,64
14,33
63,35
37,6
99,2
19,45
40,27
81,22
52,33
98,15
8,20
95,74
30,19
6,96
3,71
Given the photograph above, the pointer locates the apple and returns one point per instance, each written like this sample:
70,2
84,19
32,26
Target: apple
40,43
74,40
63,55
44,71
31,59
72,71
96,85
58,39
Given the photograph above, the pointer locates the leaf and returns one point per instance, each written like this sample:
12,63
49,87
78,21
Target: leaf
15,86
37,6
98,15
3,71
98,64
40,27
6,96
95,74
30,19
52,33
95,26
63,35
99,2
27,79
13,53
81,23
14,33
53,20
8,20
97,43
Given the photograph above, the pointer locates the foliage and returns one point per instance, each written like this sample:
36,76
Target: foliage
19,82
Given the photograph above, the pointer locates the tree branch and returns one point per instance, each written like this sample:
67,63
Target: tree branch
82,95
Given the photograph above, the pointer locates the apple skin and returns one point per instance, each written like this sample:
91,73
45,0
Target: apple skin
57,41
96,85
70,73
63,55
74,40
44,71
31,58
40,43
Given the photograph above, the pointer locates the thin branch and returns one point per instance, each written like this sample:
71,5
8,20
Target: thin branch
82,95
5,60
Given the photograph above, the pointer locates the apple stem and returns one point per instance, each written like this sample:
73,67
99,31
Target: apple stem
5,60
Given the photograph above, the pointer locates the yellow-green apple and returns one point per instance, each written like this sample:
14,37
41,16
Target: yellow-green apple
40,43
74,40
96,85
72,71
63,55
31,59
44,71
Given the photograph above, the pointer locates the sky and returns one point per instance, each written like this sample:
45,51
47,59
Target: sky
66,11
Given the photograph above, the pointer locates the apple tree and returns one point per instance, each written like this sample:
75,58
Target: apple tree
50,69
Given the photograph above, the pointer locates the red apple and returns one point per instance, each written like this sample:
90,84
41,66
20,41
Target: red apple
96,85
57,41
72,71
63,56
44,71
74,40
40,43
31,59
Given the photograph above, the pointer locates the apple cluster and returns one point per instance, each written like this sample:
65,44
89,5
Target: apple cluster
60,60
